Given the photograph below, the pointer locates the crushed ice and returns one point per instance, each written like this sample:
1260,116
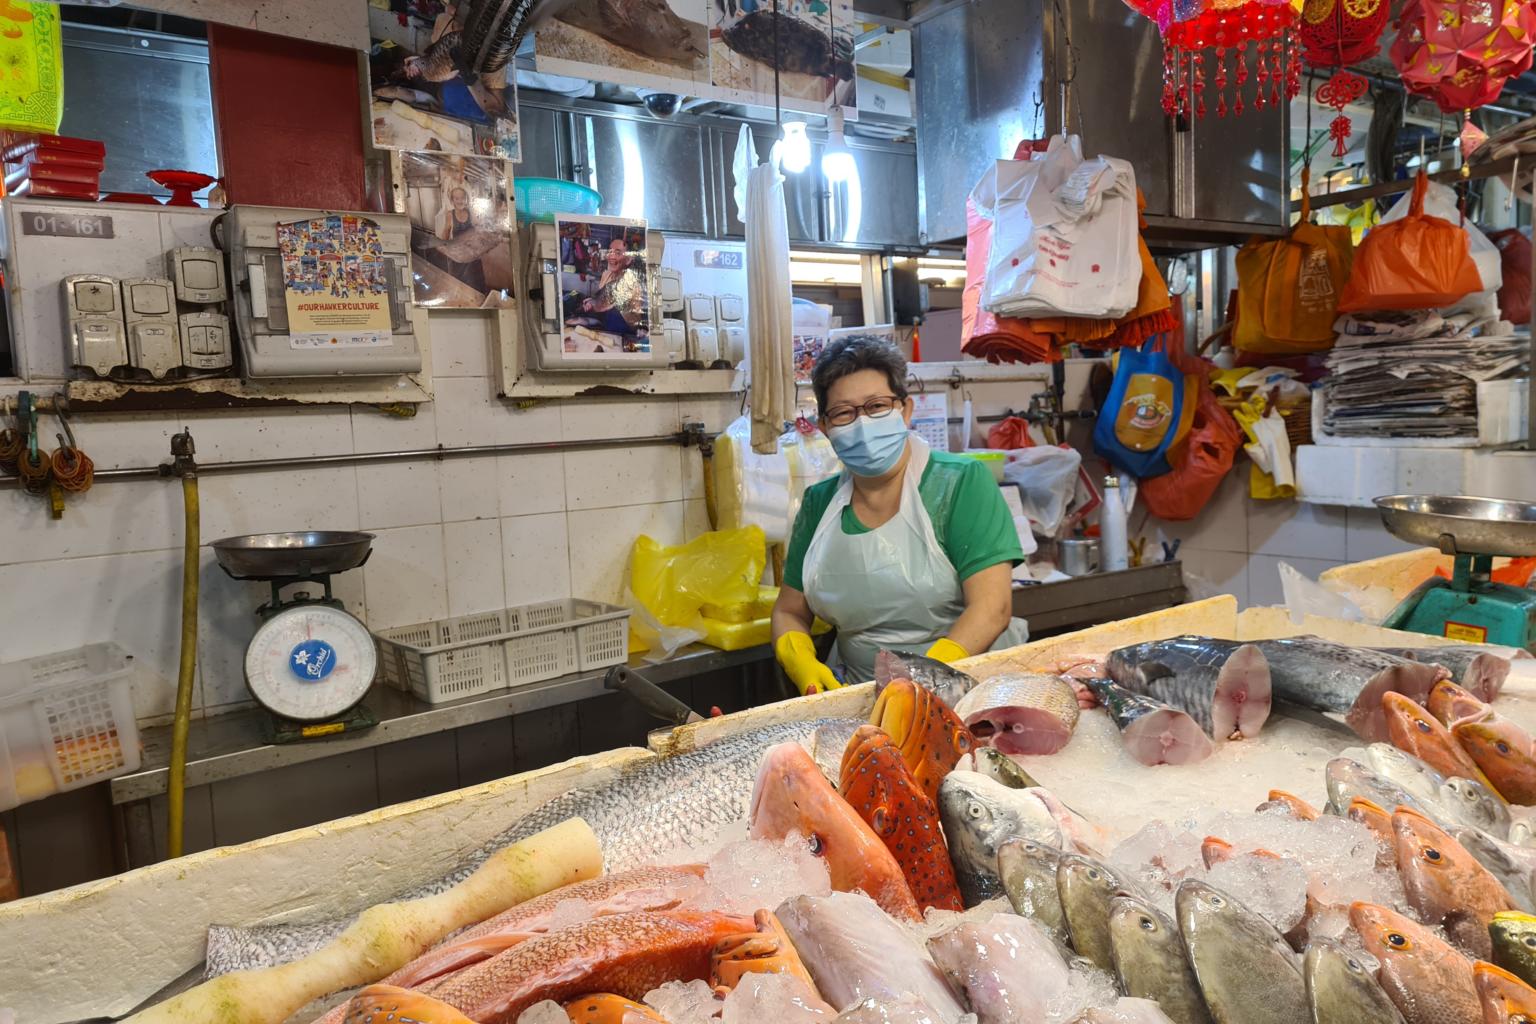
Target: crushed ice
1087,987
546,1012
758,874
776,998
683,1002
906,1009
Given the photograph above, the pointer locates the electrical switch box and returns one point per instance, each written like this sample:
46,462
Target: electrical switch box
728,309
733,343
149,313
676,335
199,274
669,290
205,341
93,320
704,344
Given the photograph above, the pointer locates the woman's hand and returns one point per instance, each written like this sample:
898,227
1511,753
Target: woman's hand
988,608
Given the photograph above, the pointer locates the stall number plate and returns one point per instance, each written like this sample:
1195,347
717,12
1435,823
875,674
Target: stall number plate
66,225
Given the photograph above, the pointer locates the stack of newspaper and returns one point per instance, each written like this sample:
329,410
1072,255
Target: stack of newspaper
1414,373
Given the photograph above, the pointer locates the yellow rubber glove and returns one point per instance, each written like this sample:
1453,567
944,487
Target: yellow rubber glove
946,650
796,652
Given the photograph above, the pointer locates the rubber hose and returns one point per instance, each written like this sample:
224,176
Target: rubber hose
177,785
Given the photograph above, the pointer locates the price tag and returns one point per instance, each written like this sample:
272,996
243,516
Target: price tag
66,225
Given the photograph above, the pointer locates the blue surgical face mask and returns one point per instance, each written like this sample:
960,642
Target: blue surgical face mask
870,447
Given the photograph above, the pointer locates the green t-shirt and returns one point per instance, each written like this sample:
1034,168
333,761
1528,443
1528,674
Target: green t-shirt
970,518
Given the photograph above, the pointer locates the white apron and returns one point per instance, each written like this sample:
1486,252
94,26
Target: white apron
892,587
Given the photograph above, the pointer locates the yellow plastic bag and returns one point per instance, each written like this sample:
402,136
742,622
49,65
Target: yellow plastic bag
669,586
31,67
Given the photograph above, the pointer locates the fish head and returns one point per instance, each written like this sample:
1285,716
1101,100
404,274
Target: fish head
1514,937
1336,977
1132,915
1505,998
1374,817
1214,850
1501,749
1403,946
876,781
1475,803
918,721
1347,779
1082,878
380,1002
927,673
1451,704
1292,804
1203,909
791,795
1434,866
1403,769
979,815
606,1008
1410,725
999,767
1029,859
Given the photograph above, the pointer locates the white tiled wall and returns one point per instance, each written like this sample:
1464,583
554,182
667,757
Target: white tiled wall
454,537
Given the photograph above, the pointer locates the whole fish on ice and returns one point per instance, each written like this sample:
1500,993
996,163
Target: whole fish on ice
1153,732
979,816
1247,972
1451,705
931,736
625,954
1028,871
998,767
1379,820
1513,935
856,952
877,784
1505,998
1021,714
1314,673
949,684
1149,960
1342,990
1457,801
1008,968
1473,666
791,795
1347,779
651,807
1503,752
1514,866
1427,978
1088,887
1224,686
1413,729
1291,804
1445,884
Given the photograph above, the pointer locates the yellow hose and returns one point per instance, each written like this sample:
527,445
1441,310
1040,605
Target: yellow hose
176,787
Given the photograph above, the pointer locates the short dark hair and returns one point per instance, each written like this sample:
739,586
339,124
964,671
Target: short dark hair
852,353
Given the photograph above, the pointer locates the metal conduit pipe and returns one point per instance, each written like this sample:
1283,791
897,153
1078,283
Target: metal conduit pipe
692,433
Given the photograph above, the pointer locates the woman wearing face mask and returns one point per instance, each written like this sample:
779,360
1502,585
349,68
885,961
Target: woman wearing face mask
906,549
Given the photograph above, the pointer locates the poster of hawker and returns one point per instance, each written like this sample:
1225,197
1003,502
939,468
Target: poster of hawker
335,281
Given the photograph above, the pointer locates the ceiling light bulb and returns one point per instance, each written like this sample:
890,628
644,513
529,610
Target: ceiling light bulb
837,163
796,155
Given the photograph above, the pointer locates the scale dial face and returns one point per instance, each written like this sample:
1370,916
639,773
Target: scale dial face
310,662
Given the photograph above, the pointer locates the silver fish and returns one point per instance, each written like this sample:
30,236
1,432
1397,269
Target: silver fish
856,952
1247,972
1028,870
1149,960
1514,866
1342,990
979,816
950,684
1449,801
1087,887
1319,674
1224,686
1478,804
651,807
1475,668
1007,967
1347,779
828,743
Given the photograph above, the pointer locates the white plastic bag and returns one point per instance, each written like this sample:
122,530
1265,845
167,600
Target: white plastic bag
1064,236
1046,478
1440,201
1305,597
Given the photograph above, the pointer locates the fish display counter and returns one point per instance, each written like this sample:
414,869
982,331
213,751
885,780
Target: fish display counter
734,834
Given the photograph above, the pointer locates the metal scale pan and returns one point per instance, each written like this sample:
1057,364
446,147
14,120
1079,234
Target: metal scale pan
294,556
1462,526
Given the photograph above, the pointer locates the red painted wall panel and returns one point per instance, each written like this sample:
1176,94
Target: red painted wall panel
290,130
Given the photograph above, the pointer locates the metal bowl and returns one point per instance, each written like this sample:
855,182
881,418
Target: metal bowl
275,556
1462,526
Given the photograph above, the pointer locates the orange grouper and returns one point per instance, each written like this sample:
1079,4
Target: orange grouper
793,796
877,783
931,737
607,1008
625,954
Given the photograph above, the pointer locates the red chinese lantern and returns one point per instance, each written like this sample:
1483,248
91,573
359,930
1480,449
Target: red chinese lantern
1460,53
1335,34
1258,34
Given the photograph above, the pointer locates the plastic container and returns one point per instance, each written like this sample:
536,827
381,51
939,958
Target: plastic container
993,458
66,721
539,199
1114,551
447,659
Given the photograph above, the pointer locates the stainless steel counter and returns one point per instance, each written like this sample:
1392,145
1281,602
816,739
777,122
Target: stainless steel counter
229,746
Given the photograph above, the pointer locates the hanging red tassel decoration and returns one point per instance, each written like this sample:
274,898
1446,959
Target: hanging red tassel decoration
1339,92
1255,31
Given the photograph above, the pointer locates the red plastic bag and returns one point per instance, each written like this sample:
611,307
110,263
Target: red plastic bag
1515,260
1419,262
1199,463
1010,434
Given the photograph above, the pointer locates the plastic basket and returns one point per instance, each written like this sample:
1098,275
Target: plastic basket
451,658
66,721
539,199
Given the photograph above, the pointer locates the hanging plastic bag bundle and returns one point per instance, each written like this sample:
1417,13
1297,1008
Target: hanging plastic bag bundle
1149,409
1288,288
1418,262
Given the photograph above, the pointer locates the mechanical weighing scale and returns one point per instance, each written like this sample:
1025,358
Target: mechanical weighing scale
1469,606
311,661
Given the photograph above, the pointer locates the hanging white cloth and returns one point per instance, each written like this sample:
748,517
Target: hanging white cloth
769,302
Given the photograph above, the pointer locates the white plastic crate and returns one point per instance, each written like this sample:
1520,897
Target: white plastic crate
66,721
472,654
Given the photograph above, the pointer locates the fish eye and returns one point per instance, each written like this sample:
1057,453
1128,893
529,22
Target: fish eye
1217,901
1423,725
1354,965
815,844
974,810
1148,925
1530,940
1397,940
1093,874
1501,747
1431,854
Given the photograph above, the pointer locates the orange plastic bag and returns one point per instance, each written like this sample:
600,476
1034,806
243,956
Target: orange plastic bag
1199,462
1419,262
1288,288
1516,572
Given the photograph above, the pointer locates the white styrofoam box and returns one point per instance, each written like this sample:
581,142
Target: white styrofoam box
536,562
139,239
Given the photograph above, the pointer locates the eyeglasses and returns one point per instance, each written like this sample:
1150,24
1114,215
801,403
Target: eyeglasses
875,408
